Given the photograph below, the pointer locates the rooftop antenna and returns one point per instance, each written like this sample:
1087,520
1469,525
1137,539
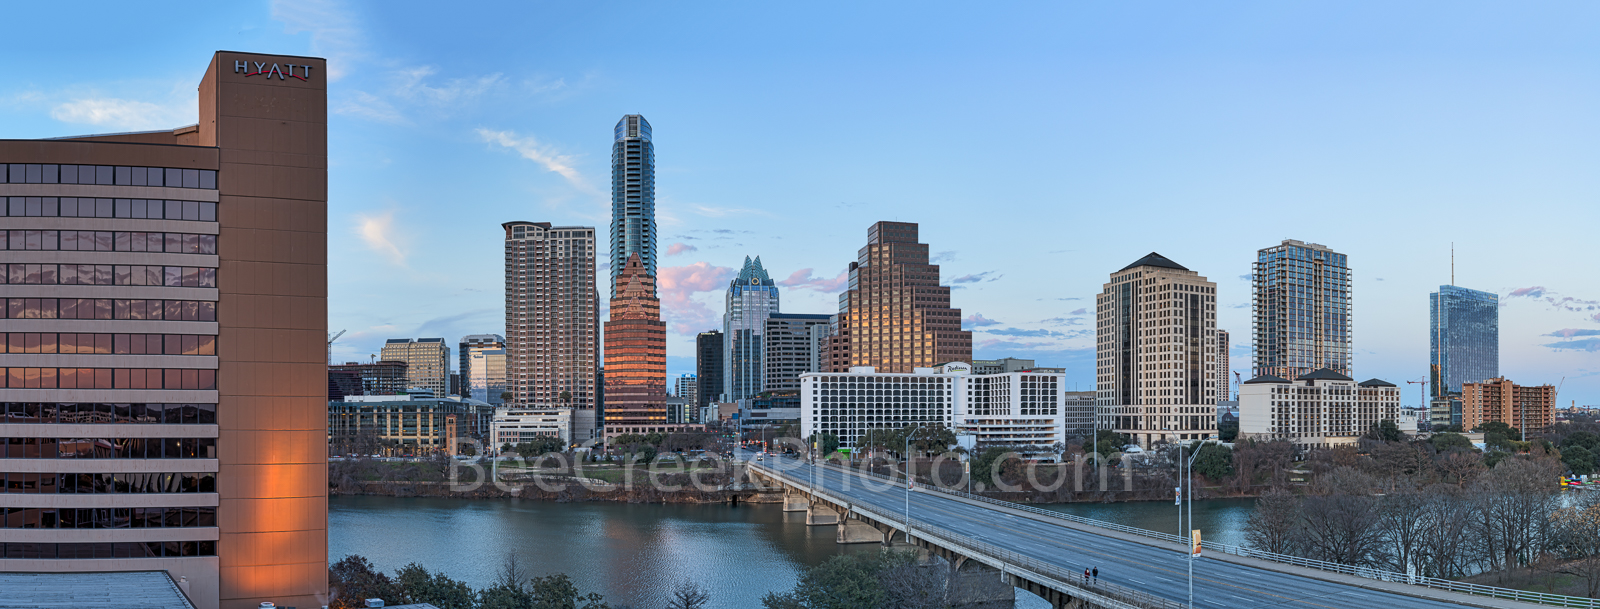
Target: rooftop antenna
1452,263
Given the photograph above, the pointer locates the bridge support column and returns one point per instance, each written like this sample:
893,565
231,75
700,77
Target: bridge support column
974,585
820,515
795,503
1056,598
856,531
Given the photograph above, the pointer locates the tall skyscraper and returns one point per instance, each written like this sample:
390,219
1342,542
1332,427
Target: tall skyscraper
1224,372
1302,310
1155,352
175,313
708,367
633,197
427,362
751,298
1464,338
895,316
478,354
636,355
552,320
789,349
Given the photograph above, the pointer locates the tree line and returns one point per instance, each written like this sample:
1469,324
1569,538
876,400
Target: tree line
353,579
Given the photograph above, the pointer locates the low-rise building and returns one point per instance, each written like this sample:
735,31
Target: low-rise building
1500,400
376,378
1319,409
1077,411
515,425
1016,409
402,425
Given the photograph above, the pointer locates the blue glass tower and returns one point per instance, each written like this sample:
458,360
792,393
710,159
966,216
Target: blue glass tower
1302,310
633,197
752,298
1464,331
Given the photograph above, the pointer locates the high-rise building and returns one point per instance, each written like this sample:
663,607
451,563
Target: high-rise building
1301,310
1156,364
633,197
553,321
1464,338
636,355
708,350
1525,407
688,388
1224,372
751,298
895,316
172,307
377,378
789,349
475,378
427,362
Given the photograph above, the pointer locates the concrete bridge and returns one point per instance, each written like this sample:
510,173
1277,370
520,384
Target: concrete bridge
1046,556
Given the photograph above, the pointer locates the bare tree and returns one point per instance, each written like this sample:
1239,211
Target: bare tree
1272,525
1445,549
688,595
1400,519
1577,530
914,585
511,573
1512,504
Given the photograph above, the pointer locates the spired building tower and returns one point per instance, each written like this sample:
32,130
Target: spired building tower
552,320
633,197
636,356
1464,337
752,298
169,292
895,316
1156,371
1302,310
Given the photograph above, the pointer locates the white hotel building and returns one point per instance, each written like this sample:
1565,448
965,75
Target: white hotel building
1022,408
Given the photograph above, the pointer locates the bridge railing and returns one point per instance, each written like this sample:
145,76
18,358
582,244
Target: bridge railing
1557,600
1105,594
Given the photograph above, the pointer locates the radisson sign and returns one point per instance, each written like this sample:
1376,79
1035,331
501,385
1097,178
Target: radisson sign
284,72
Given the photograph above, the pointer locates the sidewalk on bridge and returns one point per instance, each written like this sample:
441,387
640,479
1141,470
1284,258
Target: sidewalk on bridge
1447,596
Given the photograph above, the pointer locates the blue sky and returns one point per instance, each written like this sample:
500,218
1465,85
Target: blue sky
1040,146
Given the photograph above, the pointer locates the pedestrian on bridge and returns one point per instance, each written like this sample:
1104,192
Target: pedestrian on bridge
1097,575
1085,576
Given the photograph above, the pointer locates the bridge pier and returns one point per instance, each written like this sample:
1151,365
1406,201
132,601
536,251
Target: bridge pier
974,585
1056,598
795,503
821,515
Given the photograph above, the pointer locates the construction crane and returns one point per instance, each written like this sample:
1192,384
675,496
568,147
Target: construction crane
1423,394
1238,381
330,345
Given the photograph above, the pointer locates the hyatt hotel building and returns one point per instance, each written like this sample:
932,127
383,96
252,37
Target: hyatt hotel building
164,318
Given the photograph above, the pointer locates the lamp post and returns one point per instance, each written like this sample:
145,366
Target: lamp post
909,479
1189,487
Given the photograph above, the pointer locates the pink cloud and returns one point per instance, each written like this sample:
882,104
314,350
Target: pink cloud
802,280
1533,292
977,320
679,248
679,284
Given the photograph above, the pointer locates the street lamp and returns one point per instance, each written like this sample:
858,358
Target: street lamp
1189,486
909,479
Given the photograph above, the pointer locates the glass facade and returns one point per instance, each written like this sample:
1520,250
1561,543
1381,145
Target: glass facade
1464,338
635,353
1302,310
633,197
752,298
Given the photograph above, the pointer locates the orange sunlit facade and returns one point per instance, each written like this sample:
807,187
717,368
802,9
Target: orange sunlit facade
896,316
635,355
174,285
1525,407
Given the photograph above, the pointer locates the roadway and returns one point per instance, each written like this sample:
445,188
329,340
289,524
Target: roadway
1160,571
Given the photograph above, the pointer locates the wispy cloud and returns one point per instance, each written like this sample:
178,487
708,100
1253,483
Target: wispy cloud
1025,333
531,149
977,320
802,280
1247,277
368,106
723,212
335,34
679,284
977,277
412,83
680,248
947,256
1571,332
124,114
378,232
1556,301
1582,344
1529,292
1080,311
1063,321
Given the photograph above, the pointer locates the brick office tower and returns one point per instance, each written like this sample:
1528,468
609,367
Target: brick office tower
552,319
897,317
636,355
167,384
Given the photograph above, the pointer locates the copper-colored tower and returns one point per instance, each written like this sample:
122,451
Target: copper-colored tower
897,317
636,355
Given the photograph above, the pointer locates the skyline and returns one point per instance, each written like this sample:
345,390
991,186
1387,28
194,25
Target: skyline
1384,133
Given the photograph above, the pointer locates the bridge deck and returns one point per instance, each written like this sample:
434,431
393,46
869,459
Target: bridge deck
1140,566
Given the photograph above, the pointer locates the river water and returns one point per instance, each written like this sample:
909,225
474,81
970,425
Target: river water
635,554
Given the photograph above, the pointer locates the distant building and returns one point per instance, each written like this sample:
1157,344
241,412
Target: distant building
688,388
377,378
427,362
895,316
997,366
789,349
483,367
708,351
680,411
1302,310
1156,368
635,356
1445,410
396,425
1077,410
1224,369
751,298
773,409
1464,338
552,307
1017,409
633,198
1319,409
514,425
1525,407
